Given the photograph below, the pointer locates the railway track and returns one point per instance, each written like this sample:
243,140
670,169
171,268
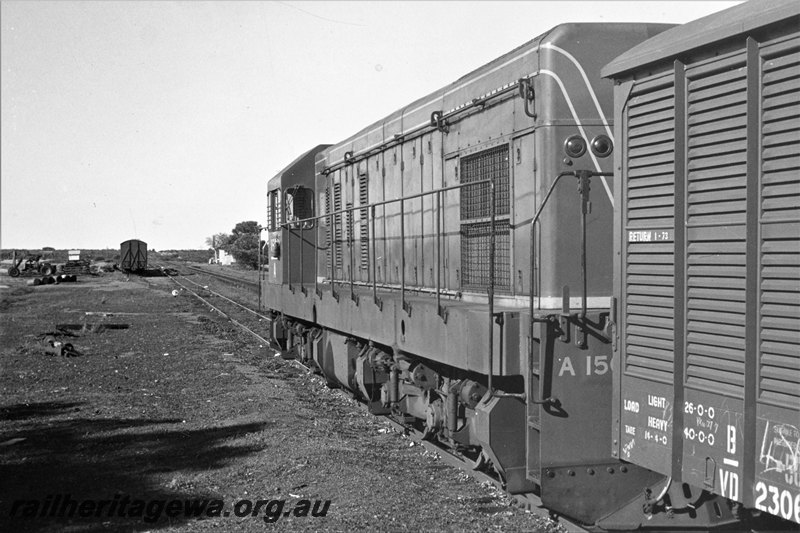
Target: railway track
250,320
224,276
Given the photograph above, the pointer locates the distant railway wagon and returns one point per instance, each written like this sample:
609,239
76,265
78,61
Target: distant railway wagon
133,255
707,239
588,289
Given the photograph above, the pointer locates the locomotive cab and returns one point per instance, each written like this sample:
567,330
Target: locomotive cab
290,202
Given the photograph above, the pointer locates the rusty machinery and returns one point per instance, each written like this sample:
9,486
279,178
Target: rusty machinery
29,263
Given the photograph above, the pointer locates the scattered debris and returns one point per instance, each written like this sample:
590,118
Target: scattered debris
49,280
56,347
11,442
76,267
90,328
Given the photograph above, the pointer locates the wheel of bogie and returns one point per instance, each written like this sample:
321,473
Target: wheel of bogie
13,272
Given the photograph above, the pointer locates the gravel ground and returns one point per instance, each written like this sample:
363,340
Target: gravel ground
167,403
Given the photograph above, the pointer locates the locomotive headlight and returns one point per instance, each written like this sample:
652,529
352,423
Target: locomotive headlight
602,146
575,146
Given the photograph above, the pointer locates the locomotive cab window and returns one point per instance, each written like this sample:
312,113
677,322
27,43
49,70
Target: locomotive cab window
273,210
299,202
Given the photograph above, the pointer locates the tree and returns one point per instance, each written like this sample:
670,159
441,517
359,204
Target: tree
218,241
244,242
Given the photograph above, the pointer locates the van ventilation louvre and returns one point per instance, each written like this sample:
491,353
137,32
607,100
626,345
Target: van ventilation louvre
650,267
779,359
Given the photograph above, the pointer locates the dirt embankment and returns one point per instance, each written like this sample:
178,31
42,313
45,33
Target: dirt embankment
168,403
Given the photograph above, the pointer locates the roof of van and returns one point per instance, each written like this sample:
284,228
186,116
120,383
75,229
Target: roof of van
737,20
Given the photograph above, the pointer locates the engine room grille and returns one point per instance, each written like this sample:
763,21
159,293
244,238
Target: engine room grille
475,219
337,225
491,163
475,255
363,199
327,223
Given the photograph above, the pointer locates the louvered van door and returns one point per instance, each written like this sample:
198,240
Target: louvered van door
649,213
780,225
776,483
716,224
648,275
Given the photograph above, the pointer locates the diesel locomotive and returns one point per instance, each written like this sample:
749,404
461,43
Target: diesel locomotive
556,277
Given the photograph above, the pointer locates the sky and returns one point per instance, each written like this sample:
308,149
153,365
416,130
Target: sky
163,121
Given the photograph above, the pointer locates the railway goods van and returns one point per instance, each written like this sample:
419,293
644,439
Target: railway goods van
706,359
133,255
503,268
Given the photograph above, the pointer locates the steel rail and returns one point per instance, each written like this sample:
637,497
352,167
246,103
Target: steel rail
218,310
529,501
228,299
220,275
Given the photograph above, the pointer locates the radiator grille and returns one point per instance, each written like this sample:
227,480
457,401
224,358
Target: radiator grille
475,239
491,163
327,222
350,235
475,219
779,366
363,218
337,224
650,267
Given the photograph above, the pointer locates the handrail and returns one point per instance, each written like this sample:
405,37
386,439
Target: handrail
286,225
260,229
290,226
583,176
493,212
374,260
